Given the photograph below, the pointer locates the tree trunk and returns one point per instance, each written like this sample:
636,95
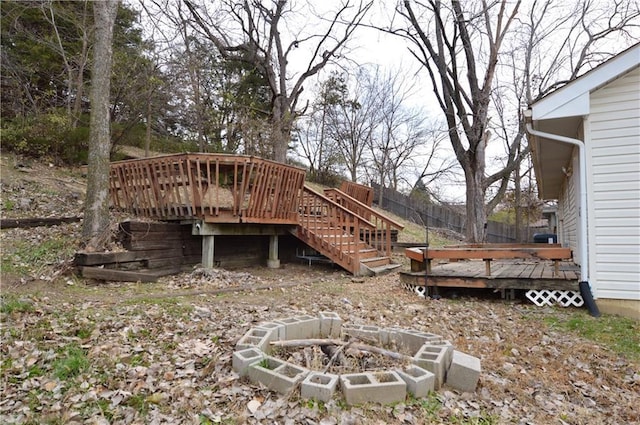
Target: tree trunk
147,138
476,216
95,230
281,130
474,168
517,205
77,106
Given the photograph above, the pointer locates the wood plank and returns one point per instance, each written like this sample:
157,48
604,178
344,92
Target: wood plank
505,283
117,275
12,223
504,245
161,263
145,245
528,270
94,258
151,226
490,253
155,236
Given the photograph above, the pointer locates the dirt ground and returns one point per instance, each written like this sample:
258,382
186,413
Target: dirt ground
161,352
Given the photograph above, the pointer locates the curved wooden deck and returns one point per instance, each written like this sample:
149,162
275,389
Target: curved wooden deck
220,189
215,188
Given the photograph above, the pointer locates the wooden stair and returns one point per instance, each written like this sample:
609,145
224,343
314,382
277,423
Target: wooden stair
329,225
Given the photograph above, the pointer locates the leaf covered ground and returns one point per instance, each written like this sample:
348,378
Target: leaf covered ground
76,351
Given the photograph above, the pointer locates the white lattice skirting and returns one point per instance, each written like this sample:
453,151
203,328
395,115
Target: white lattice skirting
548,297
538,297
421,291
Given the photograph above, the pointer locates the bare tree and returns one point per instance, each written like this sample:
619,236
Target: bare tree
558,43
400,129
353,119
96,209
552,45
74,65
312,143
460,50
261,42
461,46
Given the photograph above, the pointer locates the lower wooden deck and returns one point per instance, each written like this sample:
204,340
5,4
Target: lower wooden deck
505,274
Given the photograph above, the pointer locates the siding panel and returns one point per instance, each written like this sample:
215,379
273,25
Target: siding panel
615,187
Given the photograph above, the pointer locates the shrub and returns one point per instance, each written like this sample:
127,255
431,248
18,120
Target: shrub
49,135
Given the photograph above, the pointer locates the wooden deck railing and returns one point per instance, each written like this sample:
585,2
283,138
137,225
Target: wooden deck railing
379,234
487,253
360,192
213,187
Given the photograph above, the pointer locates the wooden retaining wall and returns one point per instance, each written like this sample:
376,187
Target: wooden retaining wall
154,249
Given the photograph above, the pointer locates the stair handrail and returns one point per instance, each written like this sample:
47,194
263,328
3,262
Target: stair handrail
381,222
344,247
366,208
339,206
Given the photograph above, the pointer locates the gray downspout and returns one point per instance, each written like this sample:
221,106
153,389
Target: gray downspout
585,287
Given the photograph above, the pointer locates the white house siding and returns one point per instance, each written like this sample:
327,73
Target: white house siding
613,148
567,208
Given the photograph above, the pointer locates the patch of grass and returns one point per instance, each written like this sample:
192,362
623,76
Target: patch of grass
139,402
84,332
11,305
204,420
481,419
316,404
5,365
35,371
23,256
33,400
172,306
104,405
138,360
620,334
39,330
71,362
264,363
430,405
8,205
169,345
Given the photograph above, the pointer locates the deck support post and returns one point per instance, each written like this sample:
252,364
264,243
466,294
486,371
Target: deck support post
273,262
207,251
207,231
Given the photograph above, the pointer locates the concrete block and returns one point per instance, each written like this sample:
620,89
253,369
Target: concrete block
464,372
433,359
379,387
276,327
449,347
419,381
319,386
258,338
364,333
409,341
386,335
276,374
242,359
300,327
330,324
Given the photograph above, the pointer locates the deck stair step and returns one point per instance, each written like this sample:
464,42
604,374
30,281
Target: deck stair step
335,232
381,270
372,262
